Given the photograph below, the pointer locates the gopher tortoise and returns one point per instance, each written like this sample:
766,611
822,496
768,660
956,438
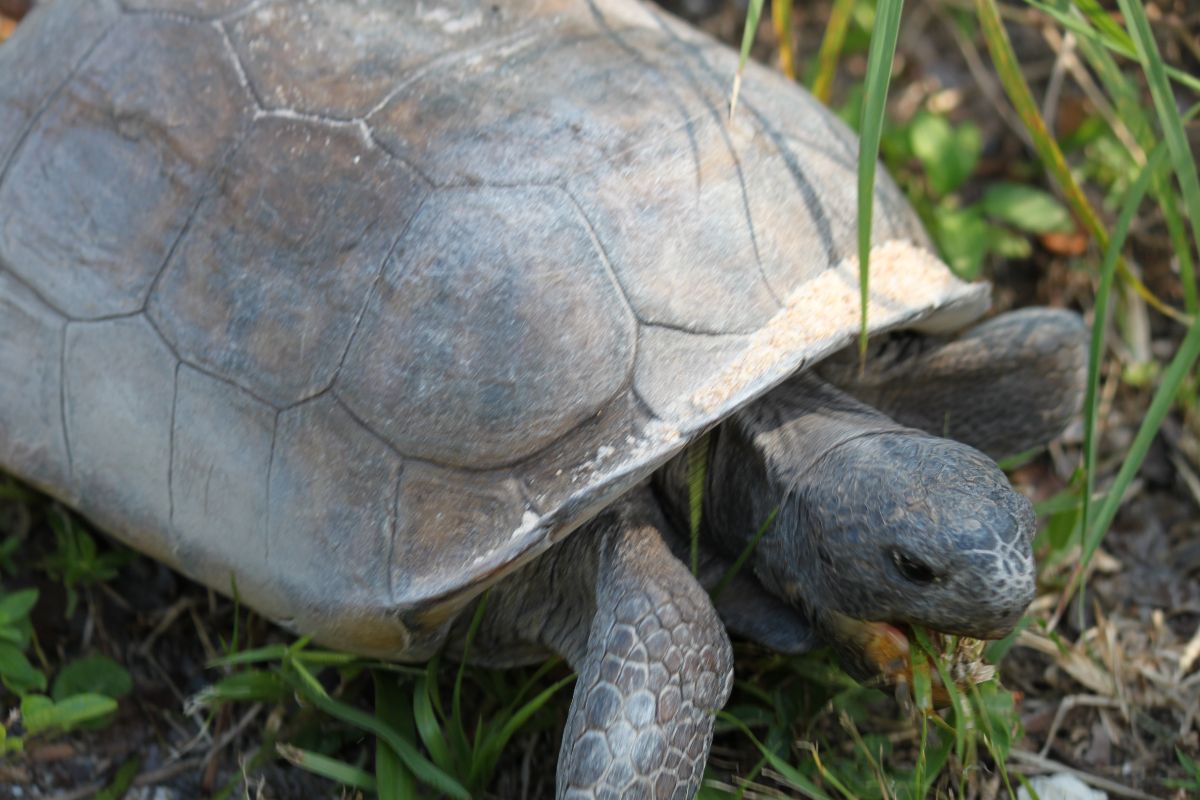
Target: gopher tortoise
372,306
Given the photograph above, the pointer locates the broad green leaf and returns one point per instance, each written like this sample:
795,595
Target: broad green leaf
1026,208
16,606
40,713
948,155
962,237
97,674
1004,244
16,671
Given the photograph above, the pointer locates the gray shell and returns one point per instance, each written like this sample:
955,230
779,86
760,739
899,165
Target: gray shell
364,304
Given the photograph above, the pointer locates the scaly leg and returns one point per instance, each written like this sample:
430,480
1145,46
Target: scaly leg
653,658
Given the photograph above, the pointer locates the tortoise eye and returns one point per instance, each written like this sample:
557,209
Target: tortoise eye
912,569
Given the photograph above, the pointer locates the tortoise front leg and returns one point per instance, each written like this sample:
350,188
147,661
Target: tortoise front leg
653,658
1004,386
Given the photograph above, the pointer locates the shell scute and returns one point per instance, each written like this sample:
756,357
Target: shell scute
119,404
200,9
513,114
220,461
343,57
123,155
31,432
477,327
332,520
450,521
267,285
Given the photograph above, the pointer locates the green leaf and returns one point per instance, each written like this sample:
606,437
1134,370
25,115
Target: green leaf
962,238
97,674
40,713
16,606
1026,208
1009,246
16,671
326,767
948,155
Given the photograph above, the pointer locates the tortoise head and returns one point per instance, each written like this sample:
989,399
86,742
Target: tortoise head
903,527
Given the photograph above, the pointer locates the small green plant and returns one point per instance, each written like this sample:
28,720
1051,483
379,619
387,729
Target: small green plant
16,634
1191,783
77,561
933,159
84,694
411,717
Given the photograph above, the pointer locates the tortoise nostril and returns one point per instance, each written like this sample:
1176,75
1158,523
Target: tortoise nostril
912,569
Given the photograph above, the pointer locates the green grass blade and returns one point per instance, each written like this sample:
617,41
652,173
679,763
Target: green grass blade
424,770
781,16
326,767
1099,17
494,747
743,556
457,729
1129,108
1081,28
792,775
956,700
1168,113
122,781
428,725
1133,199
1177,371
879,76
1009,71
831,49
535,679
393,779
273,652
753,15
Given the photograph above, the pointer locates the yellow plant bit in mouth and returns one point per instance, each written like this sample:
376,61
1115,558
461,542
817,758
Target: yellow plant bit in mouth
884,652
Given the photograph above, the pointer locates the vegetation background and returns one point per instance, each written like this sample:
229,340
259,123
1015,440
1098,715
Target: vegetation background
1049,147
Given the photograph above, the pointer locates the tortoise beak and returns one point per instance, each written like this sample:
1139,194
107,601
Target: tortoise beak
879,654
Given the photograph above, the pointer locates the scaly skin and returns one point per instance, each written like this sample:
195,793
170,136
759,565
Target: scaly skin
854,488
653,658
1004,386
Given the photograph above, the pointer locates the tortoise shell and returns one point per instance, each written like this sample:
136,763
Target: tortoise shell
362,305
